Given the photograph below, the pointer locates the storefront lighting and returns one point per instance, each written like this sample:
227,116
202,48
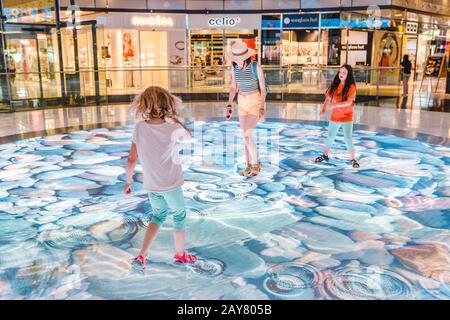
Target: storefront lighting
157,21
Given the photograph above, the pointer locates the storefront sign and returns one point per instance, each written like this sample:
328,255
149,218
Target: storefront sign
158,21
224,22
143,21
301,21
354,47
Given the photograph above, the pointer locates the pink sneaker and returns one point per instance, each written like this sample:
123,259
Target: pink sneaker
185,258
139,264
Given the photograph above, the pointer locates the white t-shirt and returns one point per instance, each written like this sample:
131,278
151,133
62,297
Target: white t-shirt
158,154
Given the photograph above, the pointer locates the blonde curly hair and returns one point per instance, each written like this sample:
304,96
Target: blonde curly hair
156,102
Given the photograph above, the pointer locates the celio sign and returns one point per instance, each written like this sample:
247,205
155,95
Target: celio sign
223,22
154,21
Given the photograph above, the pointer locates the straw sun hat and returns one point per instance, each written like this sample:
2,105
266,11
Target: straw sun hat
239,51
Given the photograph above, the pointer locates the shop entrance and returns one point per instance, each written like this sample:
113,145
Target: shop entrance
80,58
208,54
31,64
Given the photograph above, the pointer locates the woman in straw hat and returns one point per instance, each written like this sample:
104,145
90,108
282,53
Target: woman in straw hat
247,78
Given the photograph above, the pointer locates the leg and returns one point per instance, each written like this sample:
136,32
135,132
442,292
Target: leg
405,85
175,202
150,235
242,119
333,128
159,207
249,127
348,128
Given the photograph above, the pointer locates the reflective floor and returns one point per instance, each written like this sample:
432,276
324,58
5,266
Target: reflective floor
298,231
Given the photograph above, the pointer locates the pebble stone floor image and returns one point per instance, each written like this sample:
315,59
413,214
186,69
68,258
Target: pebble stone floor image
300,230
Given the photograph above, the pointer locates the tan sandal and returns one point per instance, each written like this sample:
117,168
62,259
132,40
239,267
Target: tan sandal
246,171
256,169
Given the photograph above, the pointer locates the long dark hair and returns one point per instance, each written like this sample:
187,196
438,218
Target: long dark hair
246,62
348,82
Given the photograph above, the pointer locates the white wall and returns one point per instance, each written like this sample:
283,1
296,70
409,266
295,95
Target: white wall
355,37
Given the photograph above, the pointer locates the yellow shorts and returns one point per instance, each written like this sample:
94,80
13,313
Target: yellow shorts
249,104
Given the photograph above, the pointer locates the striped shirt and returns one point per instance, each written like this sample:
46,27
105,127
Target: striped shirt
245,79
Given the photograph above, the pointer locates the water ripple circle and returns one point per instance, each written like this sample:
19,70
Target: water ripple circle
218,195
291,280
367,283
208,267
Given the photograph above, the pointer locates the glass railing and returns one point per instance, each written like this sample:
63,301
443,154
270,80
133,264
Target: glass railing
34,90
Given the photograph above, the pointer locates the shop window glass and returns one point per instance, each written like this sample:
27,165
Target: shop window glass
331,20
29,12
271,47
307,4
204,4
242,4
281,4
126,4
271,21
166,4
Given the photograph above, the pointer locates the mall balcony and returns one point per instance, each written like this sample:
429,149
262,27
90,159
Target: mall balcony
307,227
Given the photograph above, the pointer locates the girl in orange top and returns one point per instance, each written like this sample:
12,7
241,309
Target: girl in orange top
340,98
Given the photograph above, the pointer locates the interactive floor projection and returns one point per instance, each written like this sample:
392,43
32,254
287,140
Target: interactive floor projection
300,230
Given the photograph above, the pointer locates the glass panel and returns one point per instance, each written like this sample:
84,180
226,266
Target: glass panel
49,72
23,59
37,11
104,61
271,45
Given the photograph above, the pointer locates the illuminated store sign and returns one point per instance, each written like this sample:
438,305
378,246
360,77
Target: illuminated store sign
354,47
157,21
300,21
223,22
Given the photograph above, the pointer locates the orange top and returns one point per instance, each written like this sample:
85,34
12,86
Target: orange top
344,114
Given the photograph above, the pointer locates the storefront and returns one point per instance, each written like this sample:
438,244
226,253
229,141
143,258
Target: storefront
304,44
30,53
210,38
130,47
432,40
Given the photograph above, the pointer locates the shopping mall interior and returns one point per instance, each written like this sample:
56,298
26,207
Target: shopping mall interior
70,72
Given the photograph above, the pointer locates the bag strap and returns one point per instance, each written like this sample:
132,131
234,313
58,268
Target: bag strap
255,69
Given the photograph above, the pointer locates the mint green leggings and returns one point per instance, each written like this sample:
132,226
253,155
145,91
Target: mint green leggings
165,202
333,129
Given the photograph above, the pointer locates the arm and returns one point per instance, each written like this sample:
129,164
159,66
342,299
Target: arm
262,86
344,104
326,103
189,134
131,164
351,98
233,88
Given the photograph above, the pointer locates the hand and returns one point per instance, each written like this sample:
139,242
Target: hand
262,113
229,111
127,188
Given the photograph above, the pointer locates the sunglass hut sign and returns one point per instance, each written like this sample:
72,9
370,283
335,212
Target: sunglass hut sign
301,21
223,22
